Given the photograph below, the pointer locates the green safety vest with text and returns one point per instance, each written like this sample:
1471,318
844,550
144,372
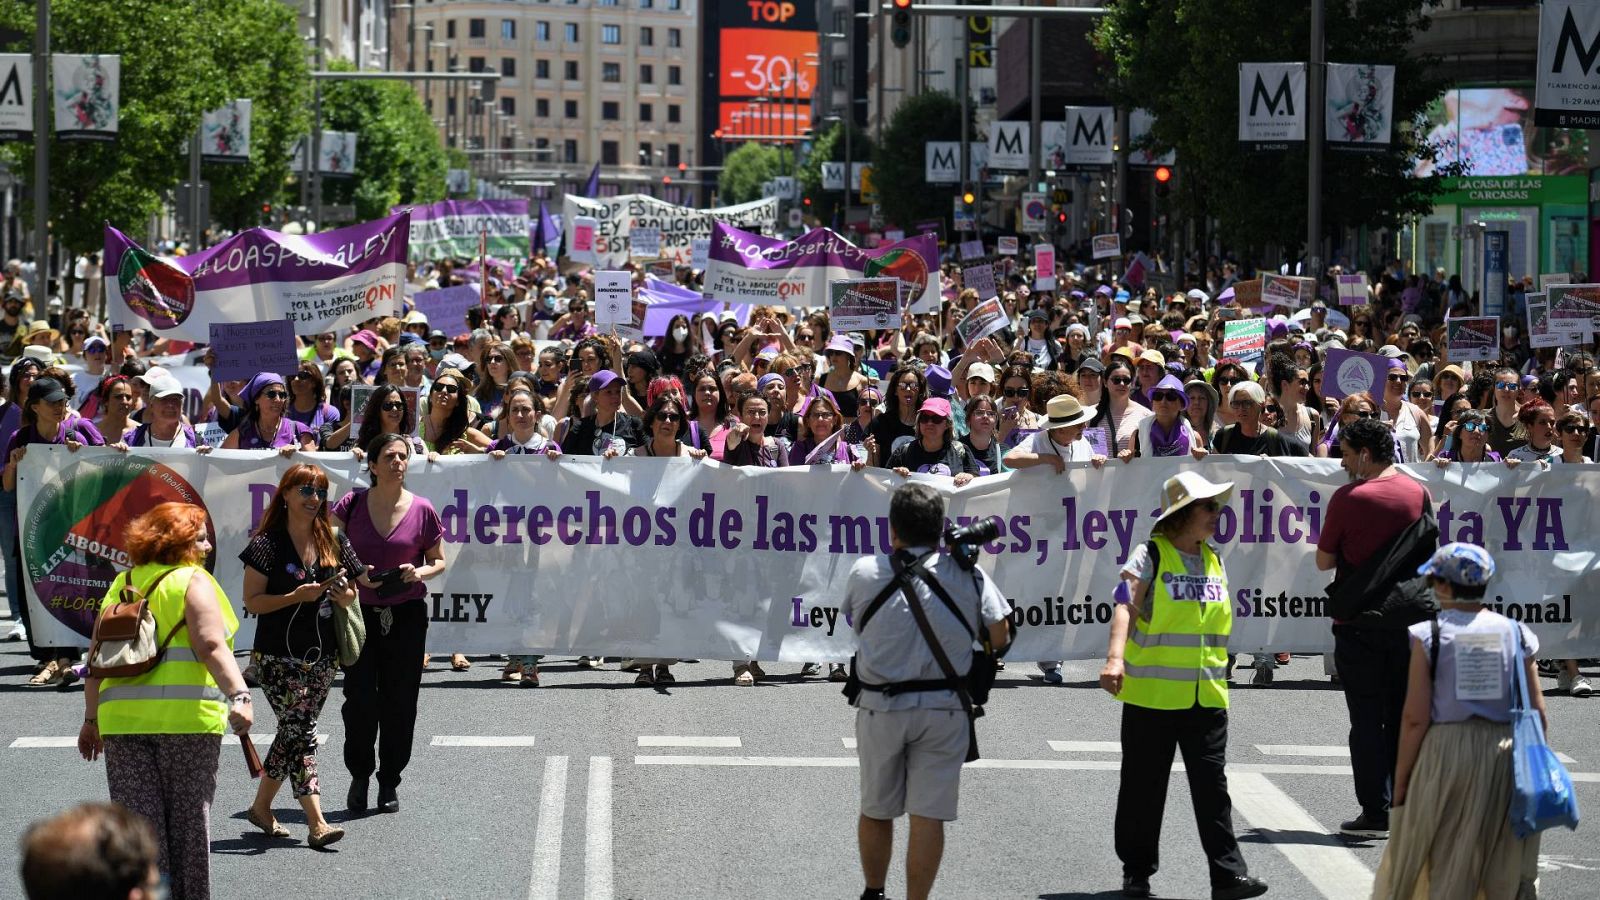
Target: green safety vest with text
178,696
1177,657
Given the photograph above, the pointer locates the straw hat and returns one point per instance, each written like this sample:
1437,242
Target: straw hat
1064,411
1186,488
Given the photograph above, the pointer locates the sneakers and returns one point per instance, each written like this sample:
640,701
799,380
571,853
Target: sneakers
755,669
1563,681
1366,826
1263,676
591,662
1580,687
837,672
646,676
1052,676
530,677
809,669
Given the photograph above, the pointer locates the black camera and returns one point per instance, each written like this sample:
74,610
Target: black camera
967,541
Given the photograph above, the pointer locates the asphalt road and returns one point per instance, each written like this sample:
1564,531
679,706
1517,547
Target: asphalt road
592,787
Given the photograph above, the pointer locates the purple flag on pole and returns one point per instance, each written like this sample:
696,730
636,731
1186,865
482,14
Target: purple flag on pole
592,189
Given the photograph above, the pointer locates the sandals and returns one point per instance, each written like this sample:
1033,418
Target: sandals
49,673
743,677
511,674
530,677
427,660
459,663
273,828
328,835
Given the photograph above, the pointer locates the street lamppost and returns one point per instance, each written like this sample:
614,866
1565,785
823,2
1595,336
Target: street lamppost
411,34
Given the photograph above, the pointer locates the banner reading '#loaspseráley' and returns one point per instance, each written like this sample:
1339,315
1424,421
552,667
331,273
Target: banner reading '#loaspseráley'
678,558
321,282
452,228
749,268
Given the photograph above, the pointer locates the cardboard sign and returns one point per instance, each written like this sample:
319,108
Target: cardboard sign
1542,330
1099,438
1353,289
1044,267
1107,246
981,321
1247,294
645,242
981,279
1348,372
613,298
446,308
1006,246
699,253
1285,290
246,348
971,250
864,304
1575,307
583,232
1244,339
1473,338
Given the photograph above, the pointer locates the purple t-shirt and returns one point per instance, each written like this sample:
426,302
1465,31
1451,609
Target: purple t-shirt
80,430
419,529
289,432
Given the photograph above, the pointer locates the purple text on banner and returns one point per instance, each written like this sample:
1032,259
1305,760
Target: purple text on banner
246,348
1348,372
446,308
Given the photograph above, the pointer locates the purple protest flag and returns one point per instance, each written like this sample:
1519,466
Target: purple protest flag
1348,372
747,268
321,282
446,308
592,189
547,231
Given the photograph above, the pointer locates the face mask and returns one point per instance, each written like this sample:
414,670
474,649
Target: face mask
680,334
437,354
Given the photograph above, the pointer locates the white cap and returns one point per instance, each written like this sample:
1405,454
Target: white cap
165,386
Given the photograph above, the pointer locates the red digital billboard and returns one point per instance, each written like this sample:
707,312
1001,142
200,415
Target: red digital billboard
765,49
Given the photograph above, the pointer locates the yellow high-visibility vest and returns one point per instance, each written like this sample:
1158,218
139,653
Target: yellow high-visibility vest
178,696
1178,655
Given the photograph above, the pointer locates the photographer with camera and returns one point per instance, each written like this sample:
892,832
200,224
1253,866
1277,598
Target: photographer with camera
916,680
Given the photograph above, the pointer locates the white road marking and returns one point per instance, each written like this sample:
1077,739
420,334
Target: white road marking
34,743
670,740
849,743
1086,746
597,832
482,740
546,881
1070,765
1325,861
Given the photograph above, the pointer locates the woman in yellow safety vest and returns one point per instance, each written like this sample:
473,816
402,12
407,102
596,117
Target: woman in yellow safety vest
1168,663
161,732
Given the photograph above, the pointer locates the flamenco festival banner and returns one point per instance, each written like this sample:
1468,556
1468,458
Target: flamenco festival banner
322,282
676,558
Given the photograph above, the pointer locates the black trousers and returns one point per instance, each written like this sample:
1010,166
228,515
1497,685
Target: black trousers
380,693
1148,739
1374,665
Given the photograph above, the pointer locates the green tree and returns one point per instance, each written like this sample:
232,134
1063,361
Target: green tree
898,166
829,147
1179,61
747,167
399,157
261,57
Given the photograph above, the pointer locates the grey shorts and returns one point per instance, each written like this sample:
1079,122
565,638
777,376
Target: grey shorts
911,762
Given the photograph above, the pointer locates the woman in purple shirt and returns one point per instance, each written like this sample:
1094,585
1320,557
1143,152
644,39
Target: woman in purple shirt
44,421
400,538
265,425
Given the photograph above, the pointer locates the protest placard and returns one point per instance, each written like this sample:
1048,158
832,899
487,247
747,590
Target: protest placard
1247,294
1473,338
1285,290
1547,279
446,308
971,250
864,304
1107,246
1006,246
1244,339
981,321
1099,439
1349,372
246,348
1353,289
981,279
582,249
1575,307
646,242
1544,331
699,253
1044,267
613,298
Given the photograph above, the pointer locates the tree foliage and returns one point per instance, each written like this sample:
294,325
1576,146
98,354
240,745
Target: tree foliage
747,167
898,165
829,147
1179,60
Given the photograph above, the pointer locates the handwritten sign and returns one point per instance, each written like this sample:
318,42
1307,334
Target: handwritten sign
699,253
1247,294
1044,267
583,232
981,279
446,308
971,250
644,242
246,348
864,304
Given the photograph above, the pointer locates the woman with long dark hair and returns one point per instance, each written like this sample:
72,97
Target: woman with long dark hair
295,568
1117,413
308,398
447,428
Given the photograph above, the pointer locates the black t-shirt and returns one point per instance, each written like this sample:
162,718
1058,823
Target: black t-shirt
300,630
987,459
788,427
951,459
888,428
1270,442
585,438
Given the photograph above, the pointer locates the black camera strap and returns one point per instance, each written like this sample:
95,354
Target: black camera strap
957,682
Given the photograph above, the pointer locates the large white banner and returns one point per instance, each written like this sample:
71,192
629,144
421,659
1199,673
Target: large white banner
1089,133
225,133
1009,145
647,557
1359,111
16,96
85,88
615,218
1567,86
1272,104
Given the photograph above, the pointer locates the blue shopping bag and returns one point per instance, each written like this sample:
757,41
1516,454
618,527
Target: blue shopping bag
1541,796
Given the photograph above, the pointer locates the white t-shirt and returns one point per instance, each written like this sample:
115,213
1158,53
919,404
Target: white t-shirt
1079,450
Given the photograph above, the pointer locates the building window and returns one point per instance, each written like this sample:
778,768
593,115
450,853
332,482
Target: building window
572,109
611,72
647,37
647,4
838,21
611,34
571,67
569,150
610,110
608,153
837,74
672,155
450,30
476,28
508,29
674,75
647,74
541,31
508,66
450,106
646,152
508,105
572,32
646,113
477,64
541,68
674,112
674,4
541,108
608,2
674,37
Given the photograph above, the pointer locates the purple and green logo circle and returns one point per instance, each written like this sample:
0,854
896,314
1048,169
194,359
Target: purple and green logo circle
158,291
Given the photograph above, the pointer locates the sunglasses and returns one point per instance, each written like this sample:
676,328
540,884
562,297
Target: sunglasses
1015,392
1479,427
1303,382
392,406
1364,414
276,395
497,358
1273,410
1505,385
1573,428
1422,395
930,419
445,388
804,337
1168,396
1397,378
1228,382
307,490
795,371
1122,381
670,418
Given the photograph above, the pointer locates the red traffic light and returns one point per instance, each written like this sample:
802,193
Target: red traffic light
266,209
666,179
717,134
806,201
683,167
1062,218
902,4
1163,174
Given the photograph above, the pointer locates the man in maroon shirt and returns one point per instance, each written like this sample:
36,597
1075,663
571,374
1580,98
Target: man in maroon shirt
1363,518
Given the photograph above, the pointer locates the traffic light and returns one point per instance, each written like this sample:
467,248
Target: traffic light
682,168
968,197
1163,181
805,201
900,27
266,214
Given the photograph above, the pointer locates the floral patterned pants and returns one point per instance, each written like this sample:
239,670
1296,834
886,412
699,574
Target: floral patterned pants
170,779
297,692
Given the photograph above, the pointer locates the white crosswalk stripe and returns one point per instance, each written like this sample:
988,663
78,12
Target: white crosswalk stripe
1319,854
668,740
482,740
546,881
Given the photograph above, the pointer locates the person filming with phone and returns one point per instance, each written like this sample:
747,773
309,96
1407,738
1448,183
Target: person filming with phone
916,681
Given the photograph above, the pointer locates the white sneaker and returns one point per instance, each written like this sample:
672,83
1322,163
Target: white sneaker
1580,687
13,631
